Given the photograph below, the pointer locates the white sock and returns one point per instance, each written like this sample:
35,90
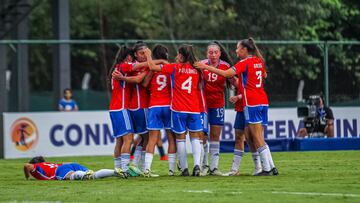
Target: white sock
148,161
143,160
202,152
238,154
77,175
264,157
172,161
196,149
103,173
137,156
271,162
125,161
117,162
256,160
206,155
181,151
215,152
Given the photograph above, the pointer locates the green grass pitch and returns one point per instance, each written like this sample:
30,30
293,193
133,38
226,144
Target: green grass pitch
304,177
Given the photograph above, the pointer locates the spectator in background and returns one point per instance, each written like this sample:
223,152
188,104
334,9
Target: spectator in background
324,124
67,103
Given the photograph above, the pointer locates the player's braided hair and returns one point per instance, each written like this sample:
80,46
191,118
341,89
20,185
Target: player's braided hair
187,52
37,159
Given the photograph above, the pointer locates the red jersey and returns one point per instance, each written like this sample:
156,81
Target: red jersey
120,89
44,171
215,86
185,91
139,98
240,105
253,74
160,90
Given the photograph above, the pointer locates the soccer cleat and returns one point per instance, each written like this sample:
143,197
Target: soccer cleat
178,166
232,173
120,173
264,173
135,171
88,176
257,170
196,171
274,171
205,170
171,173
164,158
149,174
215,172
185,172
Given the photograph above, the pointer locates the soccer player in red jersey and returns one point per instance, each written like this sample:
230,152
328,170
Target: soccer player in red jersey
42,170
215,101
159,116
256,103
184,104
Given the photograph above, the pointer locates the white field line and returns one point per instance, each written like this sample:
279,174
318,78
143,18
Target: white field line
318,194
198,191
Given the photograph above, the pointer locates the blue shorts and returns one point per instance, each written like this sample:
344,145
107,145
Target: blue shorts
62,171
205,122
159,118
181,122
256,114
139,120
239,120
121,123
216,116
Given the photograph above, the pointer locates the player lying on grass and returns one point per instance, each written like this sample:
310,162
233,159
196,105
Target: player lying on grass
42,170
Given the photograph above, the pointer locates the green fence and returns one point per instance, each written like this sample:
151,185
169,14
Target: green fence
330,67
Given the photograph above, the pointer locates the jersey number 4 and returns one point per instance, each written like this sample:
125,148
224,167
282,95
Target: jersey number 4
161,81
186,85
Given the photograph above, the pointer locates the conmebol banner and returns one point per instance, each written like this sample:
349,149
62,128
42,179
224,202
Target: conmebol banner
89,133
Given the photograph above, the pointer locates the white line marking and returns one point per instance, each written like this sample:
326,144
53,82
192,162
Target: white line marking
198,191
318,194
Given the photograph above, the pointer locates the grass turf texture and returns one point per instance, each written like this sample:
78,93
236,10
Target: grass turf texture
304,177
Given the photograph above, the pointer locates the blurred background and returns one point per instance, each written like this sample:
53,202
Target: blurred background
310,46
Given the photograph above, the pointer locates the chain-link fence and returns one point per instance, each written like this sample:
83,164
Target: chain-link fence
296,69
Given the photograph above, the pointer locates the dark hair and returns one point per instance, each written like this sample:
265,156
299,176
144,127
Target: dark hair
251,47
139,45
187,52
160,52
37,159
224,56
120,56
67,89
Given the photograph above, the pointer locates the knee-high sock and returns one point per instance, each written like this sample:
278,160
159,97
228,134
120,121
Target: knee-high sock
161,151
125,161
143,160
271,162
77,175
181,151
196,149
172,162
264,156
215,153
137,156
206,155
117,162
238,154
256,160
148,161
103,173
202,152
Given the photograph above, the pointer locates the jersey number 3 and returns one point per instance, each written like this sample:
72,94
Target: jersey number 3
259,77
186,85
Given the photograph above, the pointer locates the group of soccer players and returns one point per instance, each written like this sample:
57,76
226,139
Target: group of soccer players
150,94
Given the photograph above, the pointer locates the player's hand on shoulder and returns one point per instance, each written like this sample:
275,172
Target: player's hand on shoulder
234,99
199,65
117,75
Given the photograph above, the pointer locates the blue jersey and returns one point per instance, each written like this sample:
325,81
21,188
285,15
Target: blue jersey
67,105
